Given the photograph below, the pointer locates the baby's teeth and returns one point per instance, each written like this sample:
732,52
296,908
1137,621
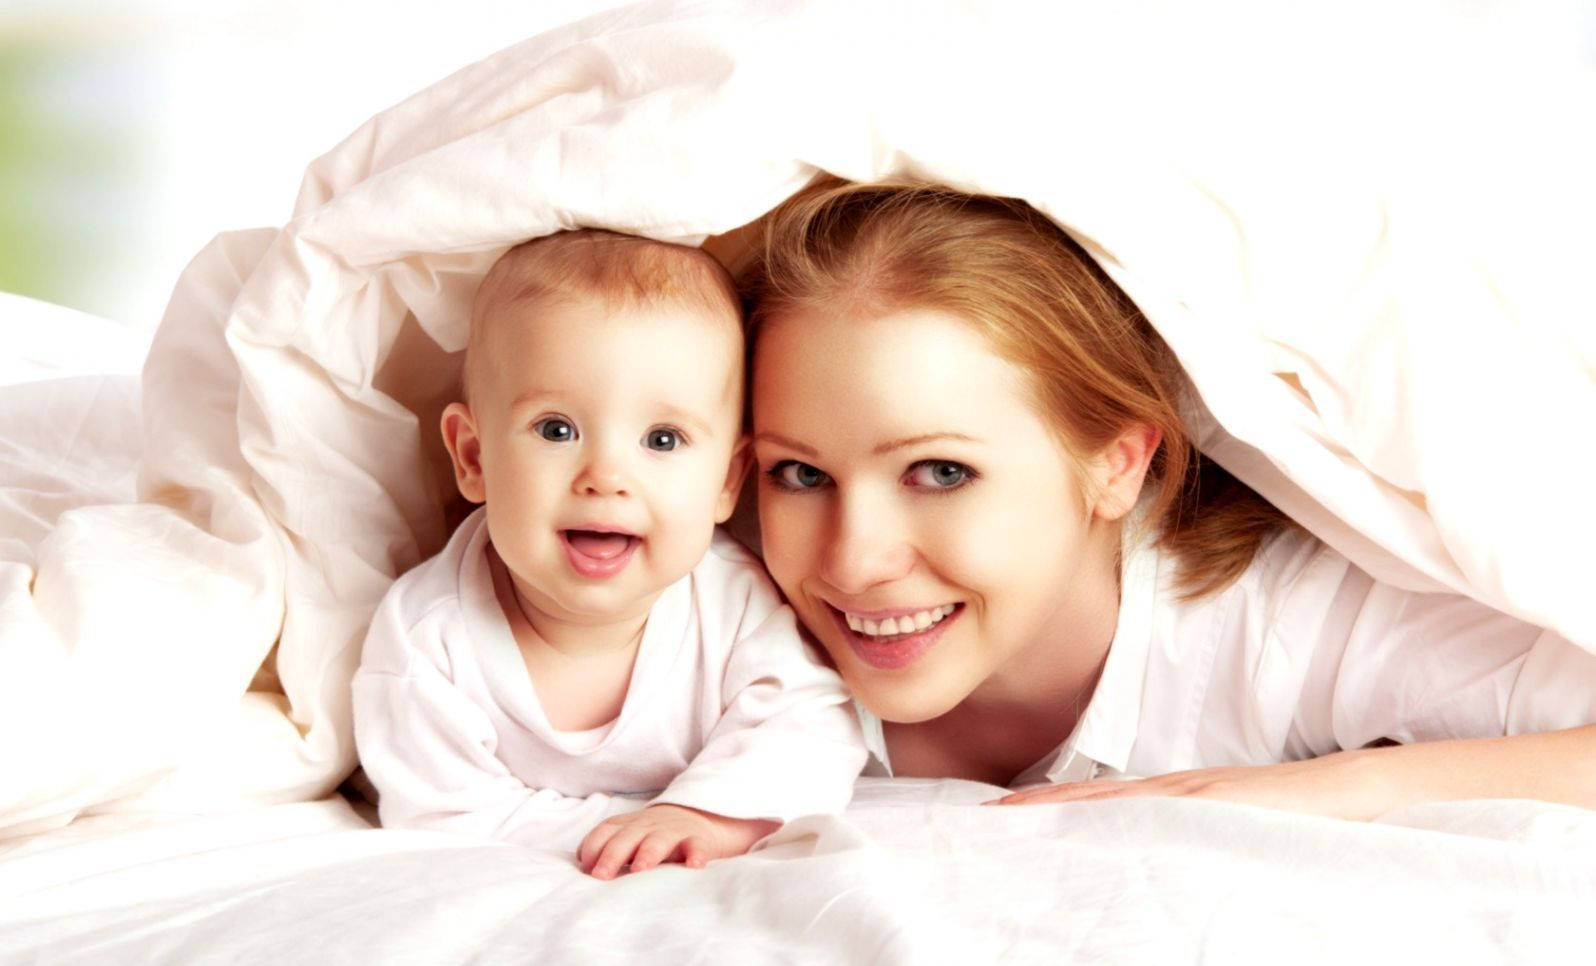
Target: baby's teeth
872,627
854,623
923,619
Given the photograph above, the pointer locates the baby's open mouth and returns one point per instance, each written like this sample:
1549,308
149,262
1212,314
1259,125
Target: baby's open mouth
599,554
599,544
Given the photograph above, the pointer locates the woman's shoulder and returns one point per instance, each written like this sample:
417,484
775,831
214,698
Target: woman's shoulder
1293,561
1289,565
1296,591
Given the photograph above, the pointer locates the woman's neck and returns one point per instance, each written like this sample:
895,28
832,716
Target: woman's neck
1058,671
1031,704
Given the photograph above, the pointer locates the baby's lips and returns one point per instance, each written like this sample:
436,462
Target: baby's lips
597,544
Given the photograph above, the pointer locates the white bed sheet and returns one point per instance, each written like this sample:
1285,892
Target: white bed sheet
914,873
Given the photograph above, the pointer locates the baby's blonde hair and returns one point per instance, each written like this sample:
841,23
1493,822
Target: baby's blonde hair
596,263
1043,304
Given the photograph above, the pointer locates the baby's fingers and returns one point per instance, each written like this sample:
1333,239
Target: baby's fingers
593,844
617,852
695,852
653,850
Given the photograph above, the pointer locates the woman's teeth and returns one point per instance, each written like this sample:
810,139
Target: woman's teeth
907,624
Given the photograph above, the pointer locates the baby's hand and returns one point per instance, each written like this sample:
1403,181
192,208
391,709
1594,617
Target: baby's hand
666,833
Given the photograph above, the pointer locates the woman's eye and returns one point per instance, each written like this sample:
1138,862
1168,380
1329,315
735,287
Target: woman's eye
939,474
793,475
662,440
555,429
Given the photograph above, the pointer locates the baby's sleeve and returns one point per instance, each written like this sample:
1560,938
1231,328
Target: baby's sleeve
788,742
1396,665
429,750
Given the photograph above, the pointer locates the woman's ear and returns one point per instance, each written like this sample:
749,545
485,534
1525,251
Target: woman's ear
1120,468
741,459
465,449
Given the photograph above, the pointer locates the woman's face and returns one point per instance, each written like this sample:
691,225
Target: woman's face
919,513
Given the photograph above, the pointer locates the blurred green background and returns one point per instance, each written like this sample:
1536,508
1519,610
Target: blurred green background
73,160
133,131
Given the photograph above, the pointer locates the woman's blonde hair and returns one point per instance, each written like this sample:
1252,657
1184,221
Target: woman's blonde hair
1043,304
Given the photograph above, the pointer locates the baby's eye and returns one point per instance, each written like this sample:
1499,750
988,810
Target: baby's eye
939,474
662,440
555,429
793,475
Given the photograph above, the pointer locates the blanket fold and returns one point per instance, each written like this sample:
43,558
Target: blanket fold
1341,231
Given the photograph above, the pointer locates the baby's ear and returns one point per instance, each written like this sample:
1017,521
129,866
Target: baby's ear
465,449
1120,469
741,459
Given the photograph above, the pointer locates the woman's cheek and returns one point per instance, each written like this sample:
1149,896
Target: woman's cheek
786,542
967,540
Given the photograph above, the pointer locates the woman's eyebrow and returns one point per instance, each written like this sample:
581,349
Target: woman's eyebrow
880,449
786,443
892,444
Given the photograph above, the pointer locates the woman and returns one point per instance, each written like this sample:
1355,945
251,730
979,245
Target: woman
976,490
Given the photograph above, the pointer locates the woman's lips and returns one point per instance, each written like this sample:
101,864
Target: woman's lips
894,652
598,554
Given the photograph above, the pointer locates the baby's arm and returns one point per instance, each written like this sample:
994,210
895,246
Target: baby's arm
430,752
787,742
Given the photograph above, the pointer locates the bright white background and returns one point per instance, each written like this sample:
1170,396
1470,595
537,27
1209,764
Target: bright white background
140,129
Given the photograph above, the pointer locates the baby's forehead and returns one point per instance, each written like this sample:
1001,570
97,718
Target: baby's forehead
544,313
679,353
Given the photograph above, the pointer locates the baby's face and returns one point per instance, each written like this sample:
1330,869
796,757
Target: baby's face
607,434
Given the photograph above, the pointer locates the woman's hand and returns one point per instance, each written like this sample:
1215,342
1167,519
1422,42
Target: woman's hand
1365,783
666,833
1341,785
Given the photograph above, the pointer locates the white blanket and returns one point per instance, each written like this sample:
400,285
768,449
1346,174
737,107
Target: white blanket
912,874
1365,233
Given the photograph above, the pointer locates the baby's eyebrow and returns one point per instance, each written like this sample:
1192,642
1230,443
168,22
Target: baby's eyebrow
689,421
530,397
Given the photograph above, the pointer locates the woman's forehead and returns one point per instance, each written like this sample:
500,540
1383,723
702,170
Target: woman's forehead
904,375
821,342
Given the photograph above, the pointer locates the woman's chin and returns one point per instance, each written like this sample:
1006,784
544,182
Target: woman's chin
899,702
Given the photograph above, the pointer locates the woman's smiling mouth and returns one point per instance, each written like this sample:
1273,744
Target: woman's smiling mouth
891,641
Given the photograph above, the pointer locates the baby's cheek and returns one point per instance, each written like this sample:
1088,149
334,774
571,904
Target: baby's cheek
683,528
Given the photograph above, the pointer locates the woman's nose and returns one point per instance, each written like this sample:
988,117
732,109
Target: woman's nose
865,548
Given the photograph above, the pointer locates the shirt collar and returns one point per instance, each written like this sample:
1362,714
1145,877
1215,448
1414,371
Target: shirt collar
1107,730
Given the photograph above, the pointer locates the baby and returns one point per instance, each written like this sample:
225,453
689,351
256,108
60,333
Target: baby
589,664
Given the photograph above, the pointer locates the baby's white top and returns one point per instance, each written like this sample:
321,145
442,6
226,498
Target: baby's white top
727,711
1304,655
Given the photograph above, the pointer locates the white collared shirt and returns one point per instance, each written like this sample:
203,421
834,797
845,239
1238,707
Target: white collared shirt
1302,656
727,711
